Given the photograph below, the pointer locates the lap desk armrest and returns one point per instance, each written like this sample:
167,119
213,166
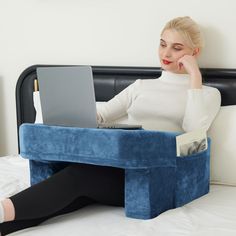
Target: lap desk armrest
156,179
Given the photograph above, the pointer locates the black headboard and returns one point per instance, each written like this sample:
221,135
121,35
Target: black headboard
109,81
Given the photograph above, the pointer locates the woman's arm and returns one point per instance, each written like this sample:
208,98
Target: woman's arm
191,67
117,107
201,108
202,104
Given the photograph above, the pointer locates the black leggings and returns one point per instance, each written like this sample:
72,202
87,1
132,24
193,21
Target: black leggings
74,187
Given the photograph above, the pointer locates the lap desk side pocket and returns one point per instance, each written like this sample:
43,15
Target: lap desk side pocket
156,179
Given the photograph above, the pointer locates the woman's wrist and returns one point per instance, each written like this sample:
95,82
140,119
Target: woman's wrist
196,80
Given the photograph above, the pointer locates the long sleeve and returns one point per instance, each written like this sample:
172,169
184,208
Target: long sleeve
165,104
201,108
117,106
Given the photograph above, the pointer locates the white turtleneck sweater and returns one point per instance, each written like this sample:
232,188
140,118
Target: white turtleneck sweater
165,104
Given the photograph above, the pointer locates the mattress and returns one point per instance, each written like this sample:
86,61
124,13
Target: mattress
212,214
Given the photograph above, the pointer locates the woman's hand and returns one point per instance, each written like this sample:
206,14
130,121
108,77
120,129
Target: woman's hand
189,64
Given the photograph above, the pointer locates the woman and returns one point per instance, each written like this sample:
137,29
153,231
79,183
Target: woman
177,101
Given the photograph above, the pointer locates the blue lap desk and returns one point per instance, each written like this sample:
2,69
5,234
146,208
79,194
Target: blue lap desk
155,179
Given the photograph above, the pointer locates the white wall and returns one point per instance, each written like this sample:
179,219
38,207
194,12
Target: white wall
98,32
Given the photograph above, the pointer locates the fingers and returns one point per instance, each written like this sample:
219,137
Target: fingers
188,64
185,62
180,65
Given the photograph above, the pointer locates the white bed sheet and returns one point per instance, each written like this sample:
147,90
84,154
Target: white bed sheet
213,214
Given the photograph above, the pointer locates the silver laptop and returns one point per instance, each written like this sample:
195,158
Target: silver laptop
68,99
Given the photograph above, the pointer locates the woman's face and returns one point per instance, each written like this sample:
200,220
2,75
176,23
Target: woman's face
172,48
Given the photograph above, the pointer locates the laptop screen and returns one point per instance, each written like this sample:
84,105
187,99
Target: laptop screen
67,96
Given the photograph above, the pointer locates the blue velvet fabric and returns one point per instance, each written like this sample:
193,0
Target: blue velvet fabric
193,177
155,179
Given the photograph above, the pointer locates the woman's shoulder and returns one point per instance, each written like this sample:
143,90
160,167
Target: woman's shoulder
146,82
210,89
212,92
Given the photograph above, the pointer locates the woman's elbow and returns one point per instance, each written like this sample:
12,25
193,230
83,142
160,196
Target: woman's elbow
203,124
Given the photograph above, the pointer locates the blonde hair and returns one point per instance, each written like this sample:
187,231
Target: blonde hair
188,29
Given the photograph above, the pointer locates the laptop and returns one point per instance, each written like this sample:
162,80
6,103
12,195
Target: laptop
68,99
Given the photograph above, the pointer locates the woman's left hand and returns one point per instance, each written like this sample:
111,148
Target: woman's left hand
189,64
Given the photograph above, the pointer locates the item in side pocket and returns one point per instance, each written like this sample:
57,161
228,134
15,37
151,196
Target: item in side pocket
191,142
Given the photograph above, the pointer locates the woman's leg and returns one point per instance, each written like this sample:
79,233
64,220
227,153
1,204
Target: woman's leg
102,184
8,210
10,227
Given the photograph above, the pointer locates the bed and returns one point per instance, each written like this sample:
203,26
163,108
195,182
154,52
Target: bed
212,214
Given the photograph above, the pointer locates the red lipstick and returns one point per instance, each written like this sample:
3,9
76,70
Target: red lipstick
166,62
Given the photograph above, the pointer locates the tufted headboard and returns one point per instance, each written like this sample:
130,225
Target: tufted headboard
109,81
